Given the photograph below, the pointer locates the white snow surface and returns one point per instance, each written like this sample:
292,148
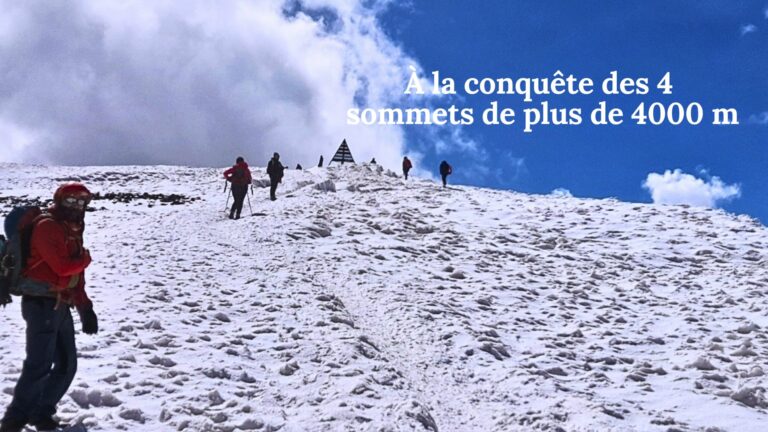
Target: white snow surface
362,302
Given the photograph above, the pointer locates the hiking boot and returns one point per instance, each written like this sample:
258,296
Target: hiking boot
12,425
46,424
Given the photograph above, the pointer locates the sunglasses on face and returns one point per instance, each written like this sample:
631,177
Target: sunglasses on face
74,202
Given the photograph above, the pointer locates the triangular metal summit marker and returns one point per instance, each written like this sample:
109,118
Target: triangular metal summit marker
343,154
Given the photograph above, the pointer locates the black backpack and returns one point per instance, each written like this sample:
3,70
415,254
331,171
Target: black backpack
15,248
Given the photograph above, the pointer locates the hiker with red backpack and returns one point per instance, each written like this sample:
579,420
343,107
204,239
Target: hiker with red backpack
51,280
240,178
445,171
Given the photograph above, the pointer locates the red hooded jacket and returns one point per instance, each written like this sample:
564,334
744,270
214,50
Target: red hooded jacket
57,258
239,174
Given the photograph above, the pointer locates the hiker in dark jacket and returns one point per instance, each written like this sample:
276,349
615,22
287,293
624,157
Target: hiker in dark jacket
240,178
275,171
445,171
406,166
320,164
52,282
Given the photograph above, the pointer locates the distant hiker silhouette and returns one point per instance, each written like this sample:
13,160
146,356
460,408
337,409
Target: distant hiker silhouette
240,177
373,161
275,171
299,167
407,165
445,171
52,281
320,164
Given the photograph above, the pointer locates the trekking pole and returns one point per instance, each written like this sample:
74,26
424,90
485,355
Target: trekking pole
225,191
249,204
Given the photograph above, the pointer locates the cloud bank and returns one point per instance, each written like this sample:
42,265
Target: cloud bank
677,187
195,82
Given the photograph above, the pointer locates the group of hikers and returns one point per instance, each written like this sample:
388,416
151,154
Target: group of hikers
445,170
46,266
240,178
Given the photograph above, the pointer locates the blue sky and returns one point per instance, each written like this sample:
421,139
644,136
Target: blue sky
716,51
199,83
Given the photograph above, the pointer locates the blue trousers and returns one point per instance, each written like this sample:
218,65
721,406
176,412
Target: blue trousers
51,360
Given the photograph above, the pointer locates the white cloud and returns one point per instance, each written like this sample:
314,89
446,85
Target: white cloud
196,82
514,170
748,28
760,119
677,187
14,138
561,193
445,140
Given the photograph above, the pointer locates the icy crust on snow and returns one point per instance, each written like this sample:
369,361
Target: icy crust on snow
358,301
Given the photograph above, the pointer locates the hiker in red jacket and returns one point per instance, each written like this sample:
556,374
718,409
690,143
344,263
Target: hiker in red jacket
240,177
406,166
52,281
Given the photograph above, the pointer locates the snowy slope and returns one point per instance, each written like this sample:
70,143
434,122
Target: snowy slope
358,301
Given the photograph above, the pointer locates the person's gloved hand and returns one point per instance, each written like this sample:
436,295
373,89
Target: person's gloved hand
86,257
88,319
5,299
